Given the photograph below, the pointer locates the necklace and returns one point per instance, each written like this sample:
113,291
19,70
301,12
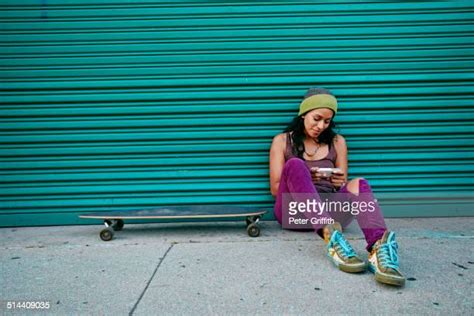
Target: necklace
315,151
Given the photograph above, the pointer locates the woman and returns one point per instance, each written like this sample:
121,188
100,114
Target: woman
308,144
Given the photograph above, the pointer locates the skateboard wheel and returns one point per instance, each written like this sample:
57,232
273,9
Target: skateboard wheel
253,230
119,225
107,234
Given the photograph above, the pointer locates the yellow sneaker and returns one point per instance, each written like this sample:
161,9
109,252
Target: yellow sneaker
340,251
383,260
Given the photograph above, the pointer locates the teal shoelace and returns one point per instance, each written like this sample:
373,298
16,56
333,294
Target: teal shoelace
388,253
338,239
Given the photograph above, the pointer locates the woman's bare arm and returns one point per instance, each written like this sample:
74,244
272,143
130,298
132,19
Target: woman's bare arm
341,159
277,161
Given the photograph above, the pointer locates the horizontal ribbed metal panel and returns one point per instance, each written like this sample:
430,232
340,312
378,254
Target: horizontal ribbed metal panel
115,105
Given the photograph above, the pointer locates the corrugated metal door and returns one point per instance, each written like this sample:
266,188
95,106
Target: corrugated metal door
110,105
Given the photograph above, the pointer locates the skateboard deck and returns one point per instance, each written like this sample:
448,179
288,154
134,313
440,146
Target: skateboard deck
114,221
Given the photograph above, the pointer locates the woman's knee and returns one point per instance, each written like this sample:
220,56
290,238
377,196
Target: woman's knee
294,163
357,185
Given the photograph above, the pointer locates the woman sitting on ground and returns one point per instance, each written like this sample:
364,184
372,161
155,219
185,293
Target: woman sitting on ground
308,144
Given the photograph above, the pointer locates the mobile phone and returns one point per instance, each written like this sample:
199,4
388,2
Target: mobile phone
327,172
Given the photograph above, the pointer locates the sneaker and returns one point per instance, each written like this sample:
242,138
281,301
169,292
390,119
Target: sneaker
383,260
340,251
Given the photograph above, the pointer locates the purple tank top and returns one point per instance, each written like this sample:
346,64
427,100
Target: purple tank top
327,162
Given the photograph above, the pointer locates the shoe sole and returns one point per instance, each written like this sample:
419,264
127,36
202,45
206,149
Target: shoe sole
386,278
353,268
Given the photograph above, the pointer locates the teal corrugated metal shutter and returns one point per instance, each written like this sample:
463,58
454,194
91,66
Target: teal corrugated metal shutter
110,105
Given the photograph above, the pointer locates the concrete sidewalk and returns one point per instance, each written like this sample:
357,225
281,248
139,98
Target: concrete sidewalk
215,268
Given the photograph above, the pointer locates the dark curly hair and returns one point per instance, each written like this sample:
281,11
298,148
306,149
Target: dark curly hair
297,127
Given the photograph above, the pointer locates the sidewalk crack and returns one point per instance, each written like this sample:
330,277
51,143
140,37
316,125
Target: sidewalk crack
151,278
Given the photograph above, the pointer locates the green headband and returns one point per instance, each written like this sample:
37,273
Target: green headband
318,101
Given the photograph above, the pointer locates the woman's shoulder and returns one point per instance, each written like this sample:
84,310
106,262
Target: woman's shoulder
339,142
338,139
280,143
280,138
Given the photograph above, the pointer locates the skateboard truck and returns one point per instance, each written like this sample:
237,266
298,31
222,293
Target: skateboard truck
111,225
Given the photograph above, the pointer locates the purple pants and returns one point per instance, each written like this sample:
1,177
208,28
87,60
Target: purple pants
296,179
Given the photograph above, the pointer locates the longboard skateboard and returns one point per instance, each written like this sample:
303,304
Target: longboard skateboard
114,221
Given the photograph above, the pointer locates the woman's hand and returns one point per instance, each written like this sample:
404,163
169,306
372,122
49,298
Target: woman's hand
315,175
338,178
